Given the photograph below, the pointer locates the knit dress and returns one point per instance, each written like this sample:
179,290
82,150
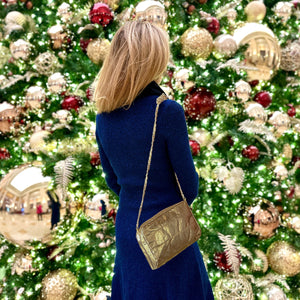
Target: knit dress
124,140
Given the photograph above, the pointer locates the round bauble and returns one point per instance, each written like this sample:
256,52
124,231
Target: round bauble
34,96
95,159
9,116
263,98
57,35
283,10
257,111
199,103
196,42
59,284
255,11
294,221
224,45
37,141
29,5
46,63
272,292
100,13
195,147
20,49
242,90
64,11
97,50
291,111
262,219
151,11
72,102
4,154
280,121
56,83
63,115
283,258
251,152
262,64
234,287
15,17
213,25
290,57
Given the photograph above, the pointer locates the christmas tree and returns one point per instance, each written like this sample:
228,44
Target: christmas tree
235,69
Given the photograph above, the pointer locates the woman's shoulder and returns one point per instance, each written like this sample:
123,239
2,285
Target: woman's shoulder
171,107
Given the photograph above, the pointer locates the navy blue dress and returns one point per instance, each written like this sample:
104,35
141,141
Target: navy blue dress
124,140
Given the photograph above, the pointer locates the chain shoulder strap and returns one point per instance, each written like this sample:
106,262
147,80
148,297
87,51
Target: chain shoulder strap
159,100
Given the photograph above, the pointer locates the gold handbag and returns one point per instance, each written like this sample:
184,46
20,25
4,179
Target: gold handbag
171,230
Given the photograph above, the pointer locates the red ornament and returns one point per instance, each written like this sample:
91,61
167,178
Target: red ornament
202,1
191,8
84,43
195,147
251,152
221,262
95,159
263,98
112,214
100,13
291,111
199,103
213,26
72,102
253,83
89,93
296,3
4,154
29,5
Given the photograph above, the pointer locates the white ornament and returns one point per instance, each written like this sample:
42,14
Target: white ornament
243,90
64,116
182,79
225,45
221,173
37,142
281,122
64,12
34,96
283,10
20,49
257,111
56,83
102,296
281,172
235,180
201,136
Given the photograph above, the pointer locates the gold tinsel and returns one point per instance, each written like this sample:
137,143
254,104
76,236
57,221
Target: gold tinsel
196,42
283,258
59,284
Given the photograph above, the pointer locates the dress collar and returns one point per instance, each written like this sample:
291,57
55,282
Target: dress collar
151,89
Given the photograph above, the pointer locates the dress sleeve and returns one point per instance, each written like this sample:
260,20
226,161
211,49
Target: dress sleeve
175,131
110,176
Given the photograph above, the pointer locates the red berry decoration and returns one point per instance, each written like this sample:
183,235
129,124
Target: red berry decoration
95,159
251,152
4,154
263,98
221,262
100,13
213,26
72,102
195,147
199,103
291,111
84,43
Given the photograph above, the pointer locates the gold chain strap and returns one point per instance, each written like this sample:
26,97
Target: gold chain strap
159,100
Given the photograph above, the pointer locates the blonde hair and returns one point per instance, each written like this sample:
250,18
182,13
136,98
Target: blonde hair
139,54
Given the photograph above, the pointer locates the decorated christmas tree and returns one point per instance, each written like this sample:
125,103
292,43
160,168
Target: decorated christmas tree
235,69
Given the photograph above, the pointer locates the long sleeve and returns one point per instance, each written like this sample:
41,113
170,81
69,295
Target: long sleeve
175,131
110,176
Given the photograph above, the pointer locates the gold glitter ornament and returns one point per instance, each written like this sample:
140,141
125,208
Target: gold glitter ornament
290,57
255,11
235,287
196,42
46,63
283,258
60,284
224,46
97,50
261,219
20,49
262,57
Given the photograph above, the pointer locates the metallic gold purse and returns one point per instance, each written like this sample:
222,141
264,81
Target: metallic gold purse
171,230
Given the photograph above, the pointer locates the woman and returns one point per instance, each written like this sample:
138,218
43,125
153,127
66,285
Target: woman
126,93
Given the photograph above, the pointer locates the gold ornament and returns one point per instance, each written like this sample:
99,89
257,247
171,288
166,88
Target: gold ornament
262,57
4,56
242,90
196,42
34,96
151,11
57,35
261,219
235,287
283,10
64,12
97,50
281,122
224,46
225,107
46,63
283,258
56,83
290,57
15,17
20,49
9,115
257,111
59,284
64,116
231,15
37,142
255,11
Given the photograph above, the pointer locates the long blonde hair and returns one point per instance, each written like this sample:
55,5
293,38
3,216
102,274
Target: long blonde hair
139,54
